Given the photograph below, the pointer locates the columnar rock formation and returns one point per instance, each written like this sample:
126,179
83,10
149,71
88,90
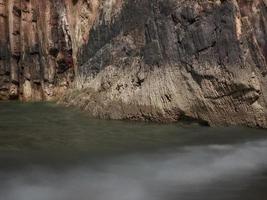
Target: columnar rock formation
35,49
162,60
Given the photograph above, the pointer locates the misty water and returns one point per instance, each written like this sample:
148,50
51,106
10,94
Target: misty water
48,152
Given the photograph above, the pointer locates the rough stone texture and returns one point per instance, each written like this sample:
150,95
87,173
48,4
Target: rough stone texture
161,60
168,60
35,49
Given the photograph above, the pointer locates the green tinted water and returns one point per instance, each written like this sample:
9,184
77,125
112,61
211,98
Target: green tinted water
51,152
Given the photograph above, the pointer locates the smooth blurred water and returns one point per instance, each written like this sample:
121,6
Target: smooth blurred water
48,152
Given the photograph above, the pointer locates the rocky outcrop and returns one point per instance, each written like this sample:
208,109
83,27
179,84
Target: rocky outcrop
168,60
160,60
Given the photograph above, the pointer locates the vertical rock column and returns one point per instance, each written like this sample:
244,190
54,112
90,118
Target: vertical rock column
30,68
59,47
14,19
4,64
10,15
35,49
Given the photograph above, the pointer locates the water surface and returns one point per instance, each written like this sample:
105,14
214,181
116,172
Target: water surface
48,152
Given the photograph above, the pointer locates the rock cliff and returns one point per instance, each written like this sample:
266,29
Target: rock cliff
160,60
35,49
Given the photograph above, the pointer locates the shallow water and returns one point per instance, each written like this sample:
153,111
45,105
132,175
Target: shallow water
52,153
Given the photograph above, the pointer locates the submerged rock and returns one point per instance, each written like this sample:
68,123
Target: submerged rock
160,60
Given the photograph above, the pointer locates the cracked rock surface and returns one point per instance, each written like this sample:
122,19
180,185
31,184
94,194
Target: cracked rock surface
35,49
159,60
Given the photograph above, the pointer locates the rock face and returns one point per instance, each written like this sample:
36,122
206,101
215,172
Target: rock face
35,49
160,60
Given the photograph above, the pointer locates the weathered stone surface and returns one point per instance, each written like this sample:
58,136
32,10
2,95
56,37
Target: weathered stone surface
35,49
161,60
168,60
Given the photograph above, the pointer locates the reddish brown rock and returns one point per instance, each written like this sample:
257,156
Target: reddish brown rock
161,60
36,49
